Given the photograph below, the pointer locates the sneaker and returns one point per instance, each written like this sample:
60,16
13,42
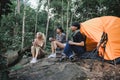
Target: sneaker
63,54
72,59
63,58
34,60
53,55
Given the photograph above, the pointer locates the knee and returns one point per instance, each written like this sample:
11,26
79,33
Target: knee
32,47
56,42
67,44
53,42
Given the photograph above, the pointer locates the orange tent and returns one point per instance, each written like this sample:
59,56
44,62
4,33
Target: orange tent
93,30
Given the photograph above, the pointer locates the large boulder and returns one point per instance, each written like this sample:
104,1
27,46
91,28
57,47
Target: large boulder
51,69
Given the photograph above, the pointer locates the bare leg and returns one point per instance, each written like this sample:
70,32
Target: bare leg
33,51
52,47
58,44
55,44
37,52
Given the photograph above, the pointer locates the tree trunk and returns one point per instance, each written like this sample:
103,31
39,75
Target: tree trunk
48,19
15,30
71,19
73,14
36,17
18,6
23,26
67,19
62,15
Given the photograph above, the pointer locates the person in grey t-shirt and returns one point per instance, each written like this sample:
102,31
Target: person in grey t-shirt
59,41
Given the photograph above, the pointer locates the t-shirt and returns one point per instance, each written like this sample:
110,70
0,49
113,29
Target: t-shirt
78,37
61,38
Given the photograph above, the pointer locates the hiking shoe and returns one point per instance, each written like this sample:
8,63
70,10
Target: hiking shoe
63,58
63,54
72,59
34,60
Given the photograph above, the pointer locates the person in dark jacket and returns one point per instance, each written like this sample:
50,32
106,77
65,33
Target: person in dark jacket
76,46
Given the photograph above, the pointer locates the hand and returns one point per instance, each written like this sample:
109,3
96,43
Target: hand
71,42
51,39
34,43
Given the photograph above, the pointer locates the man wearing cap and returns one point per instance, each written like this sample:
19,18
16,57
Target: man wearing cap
76,45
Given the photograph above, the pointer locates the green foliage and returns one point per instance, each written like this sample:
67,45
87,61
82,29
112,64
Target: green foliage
5,7
3,68
112,7
11,25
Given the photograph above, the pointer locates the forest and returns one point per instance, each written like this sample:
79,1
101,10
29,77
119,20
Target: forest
20,22
20,19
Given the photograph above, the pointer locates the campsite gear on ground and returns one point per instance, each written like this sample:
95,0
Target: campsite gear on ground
93,30
117,61
102,43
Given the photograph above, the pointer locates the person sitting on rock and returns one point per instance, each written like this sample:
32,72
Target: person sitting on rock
37,46
76,45
58,42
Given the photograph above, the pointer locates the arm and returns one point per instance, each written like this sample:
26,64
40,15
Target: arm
41,45
76,43
34,42
80,41
51,39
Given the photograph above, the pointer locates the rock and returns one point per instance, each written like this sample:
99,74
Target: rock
11,56
24,60
14,57
51,69
69,72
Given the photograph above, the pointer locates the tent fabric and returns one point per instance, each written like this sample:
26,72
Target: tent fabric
93,30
